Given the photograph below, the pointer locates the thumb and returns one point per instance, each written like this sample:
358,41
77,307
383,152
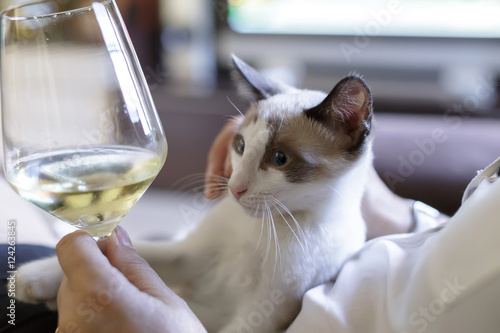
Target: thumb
123,256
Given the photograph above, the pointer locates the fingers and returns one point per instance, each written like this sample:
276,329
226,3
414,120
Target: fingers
81,258
84,264
103,244
123,256
219,161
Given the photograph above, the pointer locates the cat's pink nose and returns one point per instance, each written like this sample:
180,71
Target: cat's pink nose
238,191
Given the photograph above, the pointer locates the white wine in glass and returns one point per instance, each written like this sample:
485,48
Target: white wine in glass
82,138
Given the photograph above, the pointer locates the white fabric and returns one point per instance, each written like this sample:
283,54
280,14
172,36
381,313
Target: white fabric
442,280
425,217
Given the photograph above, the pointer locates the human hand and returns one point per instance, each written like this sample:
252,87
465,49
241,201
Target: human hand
219,158
110,288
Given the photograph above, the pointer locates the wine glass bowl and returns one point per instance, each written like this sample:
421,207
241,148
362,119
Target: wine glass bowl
82,138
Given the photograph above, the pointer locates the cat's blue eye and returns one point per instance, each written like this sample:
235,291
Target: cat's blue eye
241,146
279,158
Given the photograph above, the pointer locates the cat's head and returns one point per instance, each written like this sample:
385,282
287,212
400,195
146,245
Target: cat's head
294,144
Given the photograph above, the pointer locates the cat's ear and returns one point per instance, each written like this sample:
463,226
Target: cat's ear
349,105
252,84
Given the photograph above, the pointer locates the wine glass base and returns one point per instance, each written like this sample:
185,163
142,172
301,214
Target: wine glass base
101,238
102,230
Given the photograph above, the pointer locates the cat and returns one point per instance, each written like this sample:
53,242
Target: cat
291,216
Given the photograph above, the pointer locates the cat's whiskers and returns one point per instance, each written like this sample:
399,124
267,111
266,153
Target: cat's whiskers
218,183
277,250
261,231
270,226
212,187
254,218
232,118
188,183
215,186
297,225
235,106
188,193
337,191
286,221
212,182
218,177
269,230
194,177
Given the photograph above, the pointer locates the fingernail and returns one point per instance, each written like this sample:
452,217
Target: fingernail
122,237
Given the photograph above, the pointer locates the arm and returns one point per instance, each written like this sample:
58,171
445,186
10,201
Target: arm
219,161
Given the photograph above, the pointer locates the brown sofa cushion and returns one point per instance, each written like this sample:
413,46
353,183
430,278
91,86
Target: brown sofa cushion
432,158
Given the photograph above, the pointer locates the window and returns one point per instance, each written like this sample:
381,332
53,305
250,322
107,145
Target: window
422,18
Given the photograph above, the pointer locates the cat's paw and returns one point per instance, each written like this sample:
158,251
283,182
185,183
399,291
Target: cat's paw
39,281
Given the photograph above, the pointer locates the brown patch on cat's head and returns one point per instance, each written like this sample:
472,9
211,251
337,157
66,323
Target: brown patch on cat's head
314,153
349,106
321,141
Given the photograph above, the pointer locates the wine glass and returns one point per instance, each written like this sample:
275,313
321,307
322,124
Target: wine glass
82,138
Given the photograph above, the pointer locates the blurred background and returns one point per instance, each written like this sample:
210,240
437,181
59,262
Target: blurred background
433,66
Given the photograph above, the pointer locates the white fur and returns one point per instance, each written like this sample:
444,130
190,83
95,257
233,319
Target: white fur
39,282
